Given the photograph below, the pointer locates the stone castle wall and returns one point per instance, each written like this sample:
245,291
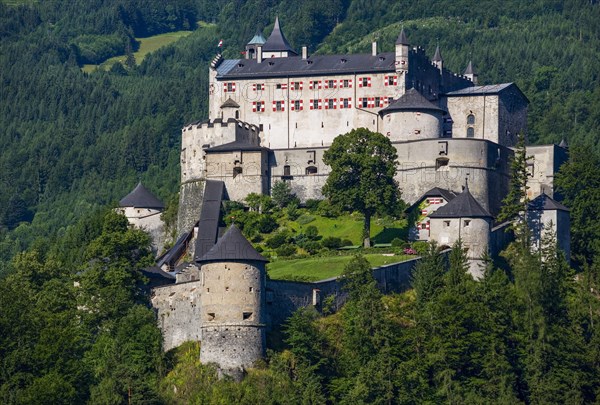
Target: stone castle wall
447,162
178,313
191,194
180,319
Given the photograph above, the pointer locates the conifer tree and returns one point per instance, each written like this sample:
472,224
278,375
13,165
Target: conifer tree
514,205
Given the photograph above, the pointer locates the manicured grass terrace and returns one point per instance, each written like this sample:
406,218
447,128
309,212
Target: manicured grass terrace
319,268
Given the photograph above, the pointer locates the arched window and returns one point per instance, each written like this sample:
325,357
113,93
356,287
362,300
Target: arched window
311,170
470,119
470,132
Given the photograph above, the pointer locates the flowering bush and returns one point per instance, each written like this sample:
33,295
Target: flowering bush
410,251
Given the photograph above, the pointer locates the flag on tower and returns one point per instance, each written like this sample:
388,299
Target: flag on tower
220,44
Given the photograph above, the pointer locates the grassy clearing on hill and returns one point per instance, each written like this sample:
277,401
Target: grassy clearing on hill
350,227
147,45
319,268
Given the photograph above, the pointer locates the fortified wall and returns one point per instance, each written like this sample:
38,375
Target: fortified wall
180,320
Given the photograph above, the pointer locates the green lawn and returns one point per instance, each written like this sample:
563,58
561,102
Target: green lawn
147,45
319,268
350,227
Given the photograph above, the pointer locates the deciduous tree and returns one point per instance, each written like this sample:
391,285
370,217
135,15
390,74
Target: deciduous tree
363,164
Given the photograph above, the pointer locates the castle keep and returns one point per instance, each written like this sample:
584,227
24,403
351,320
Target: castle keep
271,117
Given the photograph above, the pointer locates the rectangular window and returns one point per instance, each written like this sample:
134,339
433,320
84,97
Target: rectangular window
258,106
391,80
314,84
377,101
229,87
315,104
364,82
331,84
297,105
330,103
364,102
296,85
258,87
278,105
345,103
346,83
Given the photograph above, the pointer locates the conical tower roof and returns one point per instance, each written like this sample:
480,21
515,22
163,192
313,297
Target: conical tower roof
140,197
463,206
402,40
232,246
469,70
257,39
412,100
277,41
437,57
563,143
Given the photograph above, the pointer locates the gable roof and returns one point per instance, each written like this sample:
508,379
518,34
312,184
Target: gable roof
464,205
314,65
277,42
208,225
544,202
229,103
141,197
236,146
412,100
232,246
449,195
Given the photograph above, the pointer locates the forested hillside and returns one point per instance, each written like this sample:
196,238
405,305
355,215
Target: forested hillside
72,141
75,323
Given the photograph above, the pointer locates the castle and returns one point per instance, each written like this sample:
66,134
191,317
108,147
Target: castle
271,117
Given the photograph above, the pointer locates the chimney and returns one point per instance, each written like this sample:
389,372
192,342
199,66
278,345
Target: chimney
259,54
304,52
374,48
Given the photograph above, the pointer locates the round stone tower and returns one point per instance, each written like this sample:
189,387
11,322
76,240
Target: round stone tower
411,117
233,280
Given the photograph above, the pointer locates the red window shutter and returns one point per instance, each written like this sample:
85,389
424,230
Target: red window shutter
311,104
395,80
233,86
326,103
254,106
320,104
368,82
386,80
360,82
254,87
350,83
274,105
350,102
301,106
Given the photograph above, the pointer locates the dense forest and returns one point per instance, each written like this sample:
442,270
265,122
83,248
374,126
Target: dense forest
72,142
74,319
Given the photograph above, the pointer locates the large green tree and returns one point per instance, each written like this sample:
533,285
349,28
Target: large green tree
363,164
